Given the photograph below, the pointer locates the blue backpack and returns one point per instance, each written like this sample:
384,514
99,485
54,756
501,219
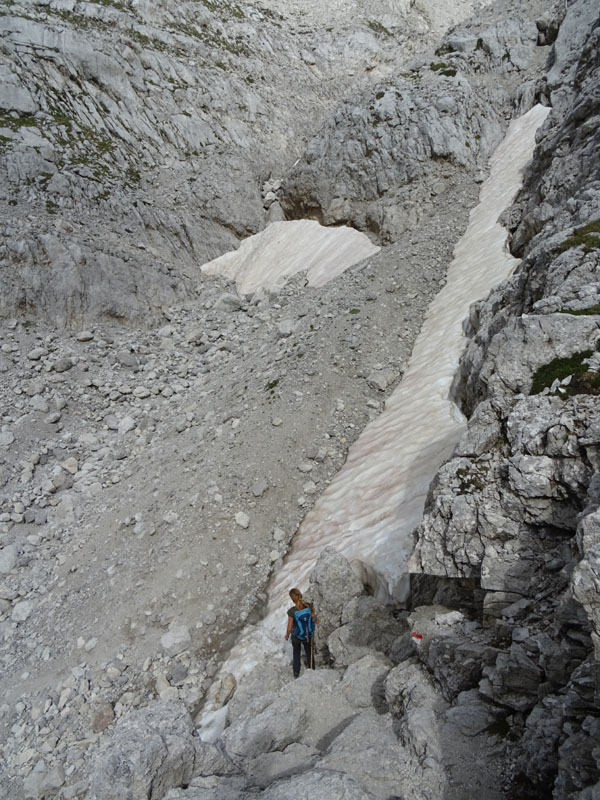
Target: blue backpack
304,627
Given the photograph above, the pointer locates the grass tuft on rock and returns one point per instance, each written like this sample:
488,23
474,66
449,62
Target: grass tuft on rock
443,69
588,237
582,382
579,312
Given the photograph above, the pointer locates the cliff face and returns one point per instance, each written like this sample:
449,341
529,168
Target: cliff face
136,137
516,508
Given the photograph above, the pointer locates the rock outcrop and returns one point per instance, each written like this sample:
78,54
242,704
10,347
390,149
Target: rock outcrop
135,138
380,157
515,508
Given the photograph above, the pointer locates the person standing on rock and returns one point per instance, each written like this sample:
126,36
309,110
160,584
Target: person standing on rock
301,627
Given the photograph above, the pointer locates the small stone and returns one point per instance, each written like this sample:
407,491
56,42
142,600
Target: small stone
141,392
39,404
279,535
259,488
8,558
127,359
63,364
6,438
21,610
285,328
242,519
102,718
161,683
37,353
90,644
520,634
381,380
227,302
171,693
52,781
85,336
111,422
32,785
181,424
70,465
274,555
176,640
276,422
53,418
64,698
113,673
126,424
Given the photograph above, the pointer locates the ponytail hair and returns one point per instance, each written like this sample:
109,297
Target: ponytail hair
296,596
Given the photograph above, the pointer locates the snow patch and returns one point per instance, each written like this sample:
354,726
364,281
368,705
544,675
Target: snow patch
285,248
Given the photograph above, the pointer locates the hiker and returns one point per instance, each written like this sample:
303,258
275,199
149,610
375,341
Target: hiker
301,627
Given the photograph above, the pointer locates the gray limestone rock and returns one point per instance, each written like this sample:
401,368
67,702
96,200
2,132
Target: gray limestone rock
585,580
227,302
374,146
209,759
150,751
471,715
318,785
274,729
367,626
332,585
362,684
368,750
8,558
265,769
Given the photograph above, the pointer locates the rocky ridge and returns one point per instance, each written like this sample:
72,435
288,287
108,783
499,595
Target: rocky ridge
514,512
124,126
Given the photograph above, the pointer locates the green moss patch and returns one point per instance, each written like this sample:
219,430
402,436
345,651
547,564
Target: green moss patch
224,8
588,237
443,69
582,382
580,312
14,123
377,27
114,3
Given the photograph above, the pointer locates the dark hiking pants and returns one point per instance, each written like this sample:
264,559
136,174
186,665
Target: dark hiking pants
310,661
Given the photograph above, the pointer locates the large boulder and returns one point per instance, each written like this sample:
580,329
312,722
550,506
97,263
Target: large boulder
280,724
367,626
308,711
368,750
150,752
332,585
585,580
317,785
